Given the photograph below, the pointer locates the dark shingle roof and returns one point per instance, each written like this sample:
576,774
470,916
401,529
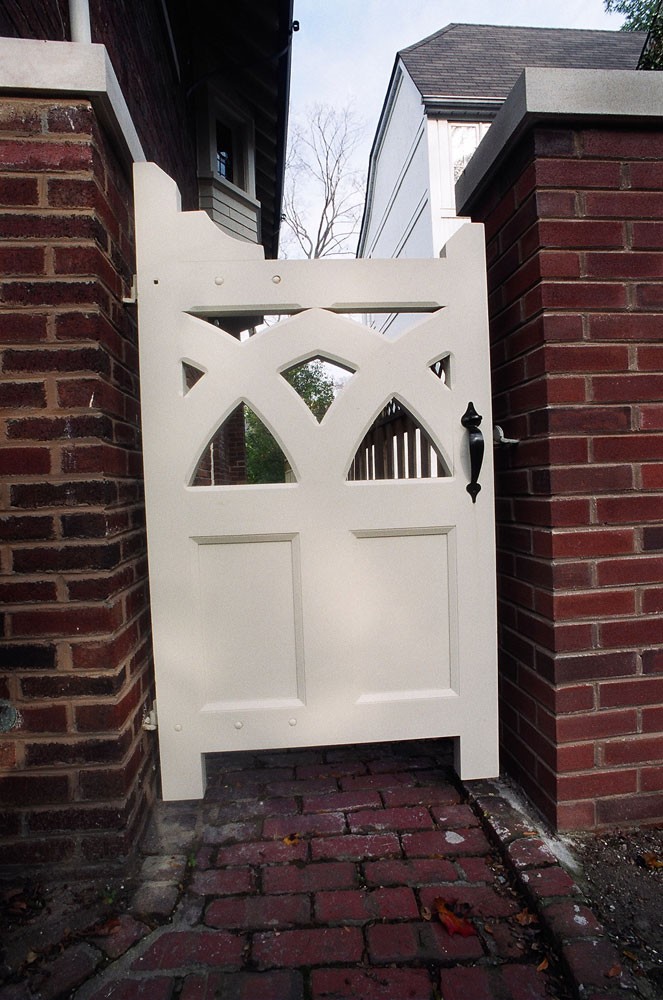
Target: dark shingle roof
484,60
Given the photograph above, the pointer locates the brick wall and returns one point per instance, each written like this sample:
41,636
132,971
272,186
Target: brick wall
160,101
77,774
574,242
35,19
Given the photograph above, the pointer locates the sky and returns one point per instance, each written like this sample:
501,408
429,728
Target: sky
344,51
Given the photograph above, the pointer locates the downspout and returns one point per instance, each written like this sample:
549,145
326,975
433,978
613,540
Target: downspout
79,20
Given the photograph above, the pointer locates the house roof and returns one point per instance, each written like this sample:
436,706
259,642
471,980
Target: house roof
484,60
245,48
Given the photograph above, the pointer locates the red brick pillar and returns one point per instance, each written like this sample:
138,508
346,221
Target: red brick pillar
77,772
575,256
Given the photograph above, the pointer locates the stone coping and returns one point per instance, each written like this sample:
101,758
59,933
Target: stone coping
564,96
70,69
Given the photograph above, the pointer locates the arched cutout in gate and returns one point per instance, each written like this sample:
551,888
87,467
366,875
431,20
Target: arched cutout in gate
396,446
317,381
242,452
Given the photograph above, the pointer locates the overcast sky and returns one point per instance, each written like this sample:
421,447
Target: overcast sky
344,51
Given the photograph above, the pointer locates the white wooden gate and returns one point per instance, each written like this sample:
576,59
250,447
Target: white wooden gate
336,607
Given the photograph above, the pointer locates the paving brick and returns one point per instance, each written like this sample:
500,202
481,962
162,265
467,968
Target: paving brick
249,777
506,940
569,920
223,882
455,817
524,982
393,942
179,949
477,869
155,988
256,807
155,899
416,796
232,833
317,823
425,942
307,947
309,878
310,786
543,882
482,901
253,912
275,758
530,853
466,984
16,991
406,818
119,935
354,847
338,769
347,905
262,852
418,872
591,961
445,843
371,984
342,801
285,984
420,762
378,781
59,977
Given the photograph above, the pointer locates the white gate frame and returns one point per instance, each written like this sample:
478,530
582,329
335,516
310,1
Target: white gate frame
187,267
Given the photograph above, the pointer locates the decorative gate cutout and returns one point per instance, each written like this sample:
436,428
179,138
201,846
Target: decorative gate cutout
339,606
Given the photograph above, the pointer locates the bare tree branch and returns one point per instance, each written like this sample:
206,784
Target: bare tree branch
323,195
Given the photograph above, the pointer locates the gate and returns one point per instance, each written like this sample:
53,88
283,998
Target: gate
354,601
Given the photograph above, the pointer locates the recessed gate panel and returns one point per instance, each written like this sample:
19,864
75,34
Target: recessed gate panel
353,600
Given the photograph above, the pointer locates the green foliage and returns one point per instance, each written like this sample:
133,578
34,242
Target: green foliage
265,462
314,385
639,13
643,15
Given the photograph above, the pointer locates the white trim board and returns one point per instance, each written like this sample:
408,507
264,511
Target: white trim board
71,69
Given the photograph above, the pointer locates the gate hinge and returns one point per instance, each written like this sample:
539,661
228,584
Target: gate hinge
132,299
150,721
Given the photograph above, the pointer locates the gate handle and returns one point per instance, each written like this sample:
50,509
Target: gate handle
471,420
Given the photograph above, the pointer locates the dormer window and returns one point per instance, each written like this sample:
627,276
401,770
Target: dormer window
226,165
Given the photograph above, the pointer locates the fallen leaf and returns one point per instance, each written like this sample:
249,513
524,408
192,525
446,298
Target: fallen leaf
111,926
488,928
31,957
425,913
630,954
530,833
525,918
452,923
291,839
615,971
542,966
650,860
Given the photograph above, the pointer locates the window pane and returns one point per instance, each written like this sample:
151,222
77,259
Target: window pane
224,151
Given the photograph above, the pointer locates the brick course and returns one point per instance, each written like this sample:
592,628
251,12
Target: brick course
576,305
76,661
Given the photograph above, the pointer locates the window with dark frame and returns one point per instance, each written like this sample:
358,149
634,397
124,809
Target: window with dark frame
225,161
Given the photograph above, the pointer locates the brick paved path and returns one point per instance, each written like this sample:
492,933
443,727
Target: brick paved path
316,878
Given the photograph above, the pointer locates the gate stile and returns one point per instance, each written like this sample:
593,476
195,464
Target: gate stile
338,607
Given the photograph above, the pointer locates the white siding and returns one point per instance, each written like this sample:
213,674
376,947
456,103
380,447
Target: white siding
400,217
231,209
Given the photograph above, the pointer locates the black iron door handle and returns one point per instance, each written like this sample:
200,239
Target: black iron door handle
471,420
